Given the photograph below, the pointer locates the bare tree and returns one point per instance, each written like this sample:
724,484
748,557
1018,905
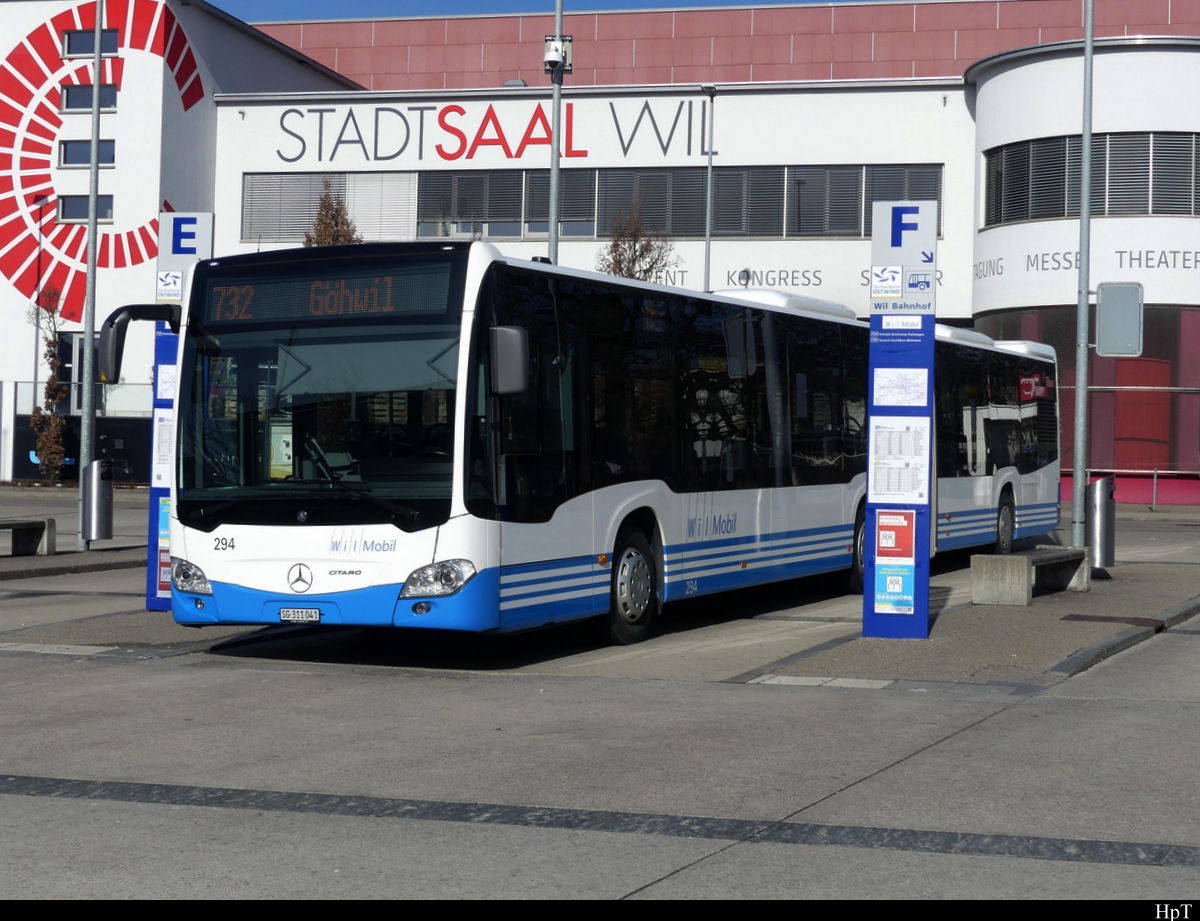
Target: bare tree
636,250
47,424
333,226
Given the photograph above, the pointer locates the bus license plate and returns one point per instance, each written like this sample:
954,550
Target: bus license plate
300,615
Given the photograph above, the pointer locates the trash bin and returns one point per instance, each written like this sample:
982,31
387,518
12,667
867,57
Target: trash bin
1101,518
98,500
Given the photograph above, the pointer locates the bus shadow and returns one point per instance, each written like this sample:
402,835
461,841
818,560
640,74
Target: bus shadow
448,651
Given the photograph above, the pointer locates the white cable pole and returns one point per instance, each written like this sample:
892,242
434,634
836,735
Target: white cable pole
88,373
1079,470
556,79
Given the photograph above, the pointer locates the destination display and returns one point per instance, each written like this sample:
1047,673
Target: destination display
413,291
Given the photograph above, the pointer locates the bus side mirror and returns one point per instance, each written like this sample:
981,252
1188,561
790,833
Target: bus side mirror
113,329
510,360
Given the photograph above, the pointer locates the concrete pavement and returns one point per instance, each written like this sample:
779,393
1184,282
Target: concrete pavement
762,751
806,634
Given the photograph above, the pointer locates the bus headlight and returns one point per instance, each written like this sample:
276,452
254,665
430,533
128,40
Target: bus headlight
188,577
443,578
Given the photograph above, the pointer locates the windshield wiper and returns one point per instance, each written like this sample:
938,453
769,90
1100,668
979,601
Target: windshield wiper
215,508
401,511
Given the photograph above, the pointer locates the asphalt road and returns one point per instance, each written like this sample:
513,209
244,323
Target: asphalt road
141,759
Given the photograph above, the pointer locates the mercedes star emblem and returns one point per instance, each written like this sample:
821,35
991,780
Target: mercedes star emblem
300,578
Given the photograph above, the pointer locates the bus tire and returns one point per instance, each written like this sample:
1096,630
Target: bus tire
634,601
859,563
1006,524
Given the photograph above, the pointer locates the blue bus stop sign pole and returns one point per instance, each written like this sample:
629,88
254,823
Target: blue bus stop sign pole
184,238
900,475
158,559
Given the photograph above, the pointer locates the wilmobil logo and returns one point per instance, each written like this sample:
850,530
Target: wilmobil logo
356,543
710,526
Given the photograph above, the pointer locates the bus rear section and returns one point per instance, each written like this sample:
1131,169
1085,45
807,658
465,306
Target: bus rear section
997,463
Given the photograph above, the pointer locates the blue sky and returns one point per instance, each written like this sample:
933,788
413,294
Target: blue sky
275,10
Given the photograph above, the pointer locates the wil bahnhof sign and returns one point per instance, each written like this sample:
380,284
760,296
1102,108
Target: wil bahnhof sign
900,449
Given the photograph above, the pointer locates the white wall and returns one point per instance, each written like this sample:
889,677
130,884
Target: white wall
1137,87
164,152
777,125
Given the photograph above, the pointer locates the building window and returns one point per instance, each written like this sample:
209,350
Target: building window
746,201
668,201
282,207
767,202
825,201
762,201
82,43
78,97
477,203
576,201
1134,173
920,182
73,209
79,153
836,201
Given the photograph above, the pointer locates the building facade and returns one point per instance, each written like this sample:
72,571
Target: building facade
815,112
161,64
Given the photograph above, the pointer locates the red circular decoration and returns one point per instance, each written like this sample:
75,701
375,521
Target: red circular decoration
38,253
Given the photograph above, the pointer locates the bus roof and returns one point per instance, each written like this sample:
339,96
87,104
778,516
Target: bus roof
782,301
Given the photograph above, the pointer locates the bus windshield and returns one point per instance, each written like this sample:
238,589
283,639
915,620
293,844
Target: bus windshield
313,398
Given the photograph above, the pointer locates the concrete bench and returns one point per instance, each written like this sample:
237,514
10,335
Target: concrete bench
30,536
1010,579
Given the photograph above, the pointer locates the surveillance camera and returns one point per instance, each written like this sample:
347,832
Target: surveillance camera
553,57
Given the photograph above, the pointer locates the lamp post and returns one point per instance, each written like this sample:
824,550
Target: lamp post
87,408
1079,469
555,65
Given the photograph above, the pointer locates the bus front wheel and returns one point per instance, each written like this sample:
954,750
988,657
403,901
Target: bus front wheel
858,567
634,589
1006,524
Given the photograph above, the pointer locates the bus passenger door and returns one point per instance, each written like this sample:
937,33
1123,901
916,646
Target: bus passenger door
824,425
546,560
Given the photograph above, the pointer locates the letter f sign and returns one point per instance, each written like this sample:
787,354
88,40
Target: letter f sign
899,225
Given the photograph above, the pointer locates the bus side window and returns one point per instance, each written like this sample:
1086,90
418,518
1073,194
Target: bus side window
853,397
814,351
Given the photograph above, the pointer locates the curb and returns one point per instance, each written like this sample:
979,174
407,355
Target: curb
1096,653
70,568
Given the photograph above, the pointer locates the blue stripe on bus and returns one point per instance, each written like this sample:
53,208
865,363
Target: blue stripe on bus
753,574
552,591
543,565
758,538
509,598
739,562
801,533
772,547
970,514
682,569
758,543
968,528
957,541
546,575
977,527
574,573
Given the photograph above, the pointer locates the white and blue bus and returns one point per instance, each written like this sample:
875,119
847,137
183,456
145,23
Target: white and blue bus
437,436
